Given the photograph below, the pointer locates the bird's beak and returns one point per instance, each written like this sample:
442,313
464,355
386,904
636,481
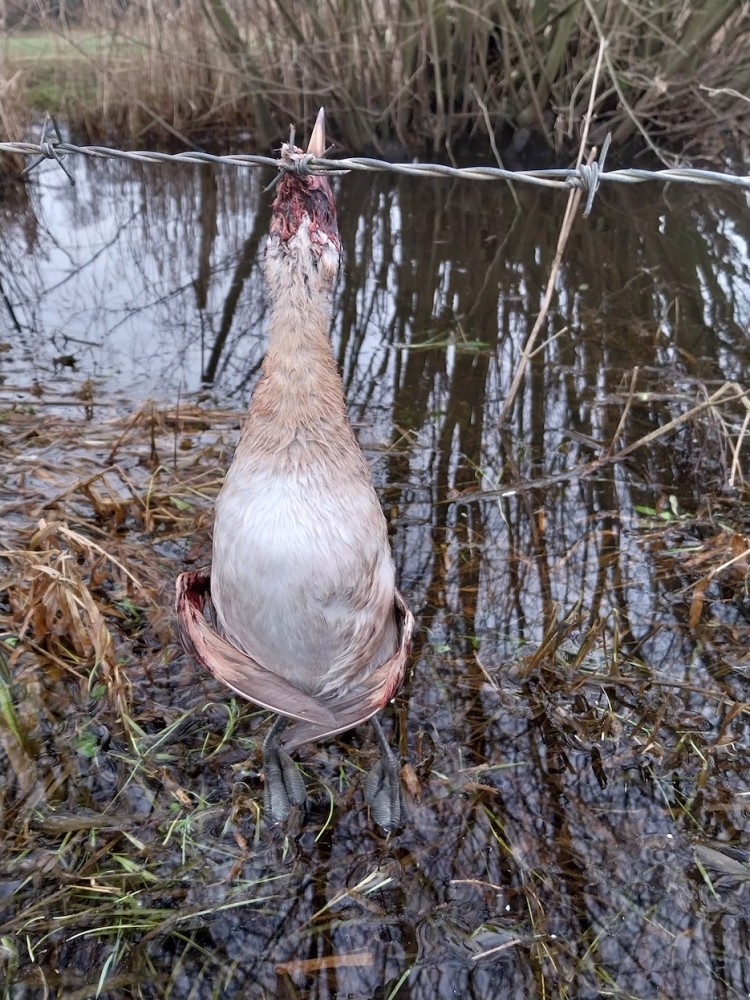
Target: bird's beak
317,144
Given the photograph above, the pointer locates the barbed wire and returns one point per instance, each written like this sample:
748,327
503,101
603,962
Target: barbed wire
586,177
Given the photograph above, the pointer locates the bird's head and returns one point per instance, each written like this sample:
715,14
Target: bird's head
304,230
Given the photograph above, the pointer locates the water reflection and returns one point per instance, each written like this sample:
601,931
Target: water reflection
550,850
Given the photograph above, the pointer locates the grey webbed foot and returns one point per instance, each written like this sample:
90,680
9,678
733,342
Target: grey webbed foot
383,786
284,785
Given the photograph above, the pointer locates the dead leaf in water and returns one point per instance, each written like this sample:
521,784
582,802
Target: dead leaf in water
699,598
306,966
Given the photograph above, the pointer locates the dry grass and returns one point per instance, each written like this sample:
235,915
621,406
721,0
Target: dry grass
88,561
401,74
12,121
98,518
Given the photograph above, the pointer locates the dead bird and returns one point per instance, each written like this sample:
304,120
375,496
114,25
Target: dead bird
308,620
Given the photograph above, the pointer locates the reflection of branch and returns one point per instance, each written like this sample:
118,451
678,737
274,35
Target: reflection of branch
9,307
79,267
209,224
243,270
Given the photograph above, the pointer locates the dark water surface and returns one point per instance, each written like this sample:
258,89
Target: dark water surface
574,729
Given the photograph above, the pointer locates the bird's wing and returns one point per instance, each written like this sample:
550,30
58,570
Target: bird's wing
233,667
366,699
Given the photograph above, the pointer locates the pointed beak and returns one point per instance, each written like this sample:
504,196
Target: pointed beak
317,144
305,194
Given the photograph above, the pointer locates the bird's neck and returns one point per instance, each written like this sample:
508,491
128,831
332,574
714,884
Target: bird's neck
300,388
299,326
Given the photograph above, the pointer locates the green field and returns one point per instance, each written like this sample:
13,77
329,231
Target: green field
63,73
27,46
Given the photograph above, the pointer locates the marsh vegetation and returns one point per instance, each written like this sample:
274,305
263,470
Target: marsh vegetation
396,76
574,731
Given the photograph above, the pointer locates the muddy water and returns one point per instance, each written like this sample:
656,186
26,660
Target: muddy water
573,732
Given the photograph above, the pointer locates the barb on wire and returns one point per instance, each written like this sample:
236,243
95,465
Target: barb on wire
295,161
587,178
48,149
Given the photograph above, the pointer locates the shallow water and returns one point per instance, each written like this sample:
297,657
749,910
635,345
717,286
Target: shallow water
574,729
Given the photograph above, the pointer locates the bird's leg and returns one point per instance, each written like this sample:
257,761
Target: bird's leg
383,785
284,786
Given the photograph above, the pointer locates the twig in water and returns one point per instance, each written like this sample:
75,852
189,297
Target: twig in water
736,448
574,200
693,411
626,410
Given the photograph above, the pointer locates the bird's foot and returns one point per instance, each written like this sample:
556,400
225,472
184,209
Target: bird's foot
383,794
284,785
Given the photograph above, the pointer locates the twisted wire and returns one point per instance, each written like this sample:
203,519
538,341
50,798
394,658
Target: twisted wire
587,177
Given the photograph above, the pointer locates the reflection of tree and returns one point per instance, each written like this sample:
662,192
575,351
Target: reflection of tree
247,261
9,307
543,551
550,819
209,225
16,209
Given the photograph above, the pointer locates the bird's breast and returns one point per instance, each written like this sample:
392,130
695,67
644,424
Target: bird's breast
303,577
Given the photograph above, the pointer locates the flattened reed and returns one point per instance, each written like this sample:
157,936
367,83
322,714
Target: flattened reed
90,519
